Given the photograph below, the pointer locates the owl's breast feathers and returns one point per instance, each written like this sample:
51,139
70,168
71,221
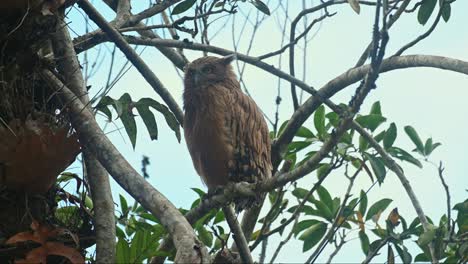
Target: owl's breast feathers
226,135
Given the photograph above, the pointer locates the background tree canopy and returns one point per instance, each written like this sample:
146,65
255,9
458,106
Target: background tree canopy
364,101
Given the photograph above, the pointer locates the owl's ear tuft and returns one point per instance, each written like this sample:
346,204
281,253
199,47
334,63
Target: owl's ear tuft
228,58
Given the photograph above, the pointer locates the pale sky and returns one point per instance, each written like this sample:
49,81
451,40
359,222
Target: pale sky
433,101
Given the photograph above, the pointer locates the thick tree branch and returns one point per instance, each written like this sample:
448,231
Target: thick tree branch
238,235
104,219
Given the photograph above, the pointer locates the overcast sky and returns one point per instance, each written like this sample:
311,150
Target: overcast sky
433,101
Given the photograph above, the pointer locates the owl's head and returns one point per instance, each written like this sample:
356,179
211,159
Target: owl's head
208,70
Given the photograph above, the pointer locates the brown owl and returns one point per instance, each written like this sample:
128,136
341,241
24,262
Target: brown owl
226,133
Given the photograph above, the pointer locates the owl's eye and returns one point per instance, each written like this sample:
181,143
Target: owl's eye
207,69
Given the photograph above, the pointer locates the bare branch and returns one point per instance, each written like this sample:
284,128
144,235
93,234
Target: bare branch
447,193
425,34
238,235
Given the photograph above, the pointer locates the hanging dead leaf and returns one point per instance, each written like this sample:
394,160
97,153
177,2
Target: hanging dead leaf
32,155
355,5
394,218
43,234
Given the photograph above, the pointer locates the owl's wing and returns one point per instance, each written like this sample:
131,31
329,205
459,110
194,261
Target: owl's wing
250,139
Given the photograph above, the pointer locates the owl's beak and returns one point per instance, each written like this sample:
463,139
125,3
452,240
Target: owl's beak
229,58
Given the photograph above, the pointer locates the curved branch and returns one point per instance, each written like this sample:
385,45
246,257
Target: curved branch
189,248
327,91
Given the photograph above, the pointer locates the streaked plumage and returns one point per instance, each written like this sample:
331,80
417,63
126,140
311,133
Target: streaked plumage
226,133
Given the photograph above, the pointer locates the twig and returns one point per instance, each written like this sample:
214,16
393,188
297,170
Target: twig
373,253
283,242
238,235
425,34
336,223
447,193
338,248
391,21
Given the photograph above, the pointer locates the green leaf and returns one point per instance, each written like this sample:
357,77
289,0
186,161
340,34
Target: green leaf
378,167
429,147
123,251
426,237
219,217
422,258
127,117
137,244
313,235
282,127
205,236
319,120
106,111
411,132
380,136
390,136
378,207
323,210
363,144
364,242
363,203
296,146
148,119
376,109
303,225
304,132
462,216
425,11
262,7
200,192
123,205
325,197
446,11
88,202
183,6
371,121
334,118
405,256
301,193
322,170
403,155
171,120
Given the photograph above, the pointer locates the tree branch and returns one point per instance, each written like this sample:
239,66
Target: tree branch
189,248
238,235
104,219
